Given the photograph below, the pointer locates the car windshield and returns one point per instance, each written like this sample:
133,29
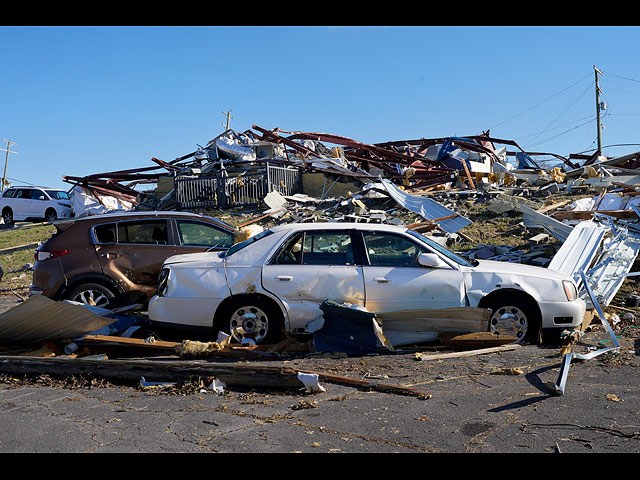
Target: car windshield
58,194
439,248
239,246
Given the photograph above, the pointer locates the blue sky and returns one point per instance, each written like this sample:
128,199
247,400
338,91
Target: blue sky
81,100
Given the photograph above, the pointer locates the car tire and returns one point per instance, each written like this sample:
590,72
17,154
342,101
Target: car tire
251,318
7,216
50,215
93,294
514,316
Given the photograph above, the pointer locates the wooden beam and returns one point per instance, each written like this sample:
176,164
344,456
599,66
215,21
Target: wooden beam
469,353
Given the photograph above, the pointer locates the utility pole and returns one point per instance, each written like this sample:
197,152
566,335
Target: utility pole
6,161
229,117
598,92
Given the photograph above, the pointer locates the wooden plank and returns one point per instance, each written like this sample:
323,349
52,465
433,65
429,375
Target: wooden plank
466,170
383,387
243,375
469,353
456,319
553,206
136,342
477,340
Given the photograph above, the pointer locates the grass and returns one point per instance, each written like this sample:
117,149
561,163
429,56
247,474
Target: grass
16,276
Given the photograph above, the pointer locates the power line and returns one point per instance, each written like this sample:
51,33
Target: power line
537,105
563,112
623,78
560,134
589,118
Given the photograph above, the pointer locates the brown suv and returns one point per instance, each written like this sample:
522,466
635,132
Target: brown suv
114,259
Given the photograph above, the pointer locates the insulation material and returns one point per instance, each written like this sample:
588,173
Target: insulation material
247,232
84,202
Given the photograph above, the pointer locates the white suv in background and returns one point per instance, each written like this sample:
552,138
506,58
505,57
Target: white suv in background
22,203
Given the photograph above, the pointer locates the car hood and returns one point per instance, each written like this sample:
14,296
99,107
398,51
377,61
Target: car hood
204,258
507,268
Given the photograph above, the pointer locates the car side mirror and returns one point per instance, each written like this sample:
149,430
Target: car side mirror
431,260
41,197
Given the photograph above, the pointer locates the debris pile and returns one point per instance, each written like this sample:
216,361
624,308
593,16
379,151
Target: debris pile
579,217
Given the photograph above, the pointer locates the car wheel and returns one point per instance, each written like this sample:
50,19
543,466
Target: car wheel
50,215
93,294
251,319
514,317
7,216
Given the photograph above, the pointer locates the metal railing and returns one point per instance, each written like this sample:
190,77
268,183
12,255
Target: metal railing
249,189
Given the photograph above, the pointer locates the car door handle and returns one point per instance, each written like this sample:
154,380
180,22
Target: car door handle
381,280
110,255
284,278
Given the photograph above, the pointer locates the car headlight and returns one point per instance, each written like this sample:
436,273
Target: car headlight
570,290
162,282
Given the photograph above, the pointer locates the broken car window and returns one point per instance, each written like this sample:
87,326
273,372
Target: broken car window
105,233
146,232
199,234
291,252
389,250
327,248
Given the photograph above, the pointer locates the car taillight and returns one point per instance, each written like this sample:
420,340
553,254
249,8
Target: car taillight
47,254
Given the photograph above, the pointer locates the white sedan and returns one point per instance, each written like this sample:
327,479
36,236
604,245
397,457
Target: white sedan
276,281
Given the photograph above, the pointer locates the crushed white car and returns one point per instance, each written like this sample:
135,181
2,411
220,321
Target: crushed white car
276,281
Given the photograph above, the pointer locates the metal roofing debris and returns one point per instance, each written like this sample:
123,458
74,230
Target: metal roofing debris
579,249
605,253
427,208
560,384
558,229
40,318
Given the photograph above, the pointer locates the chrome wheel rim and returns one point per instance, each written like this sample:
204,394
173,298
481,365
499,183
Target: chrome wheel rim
509,320
249,323
92,297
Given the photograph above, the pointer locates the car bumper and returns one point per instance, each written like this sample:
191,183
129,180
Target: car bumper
562,314
188,312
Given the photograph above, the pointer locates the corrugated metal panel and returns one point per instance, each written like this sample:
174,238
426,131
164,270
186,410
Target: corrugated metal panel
40,318
604,255
531,218
616,259
427,208
579,249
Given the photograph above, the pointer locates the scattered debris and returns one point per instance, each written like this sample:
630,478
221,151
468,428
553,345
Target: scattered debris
579,217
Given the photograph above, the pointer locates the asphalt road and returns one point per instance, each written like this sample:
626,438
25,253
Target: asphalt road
491,403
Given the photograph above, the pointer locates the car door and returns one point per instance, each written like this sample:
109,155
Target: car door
132,252
37,204
21,204
311,267
394,280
